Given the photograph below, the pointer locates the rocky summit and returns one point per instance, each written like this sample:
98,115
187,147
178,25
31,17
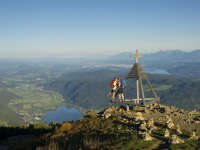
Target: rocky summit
126,127
155,116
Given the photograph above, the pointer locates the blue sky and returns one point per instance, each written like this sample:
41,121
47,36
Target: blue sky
42,28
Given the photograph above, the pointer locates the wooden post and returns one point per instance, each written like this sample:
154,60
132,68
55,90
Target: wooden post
142,91
150,86
136,56
138,91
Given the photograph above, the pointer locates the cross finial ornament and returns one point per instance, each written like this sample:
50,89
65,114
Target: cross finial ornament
137,56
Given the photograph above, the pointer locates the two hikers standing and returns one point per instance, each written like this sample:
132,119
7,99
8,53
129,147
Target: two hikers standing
117,85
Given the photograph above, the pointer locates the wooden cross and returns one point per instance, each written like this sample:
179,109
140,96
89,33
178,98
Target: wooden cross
138,74
136,56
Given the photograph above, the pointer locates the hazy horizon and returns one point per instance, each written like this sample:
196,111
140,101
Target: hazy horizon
89,56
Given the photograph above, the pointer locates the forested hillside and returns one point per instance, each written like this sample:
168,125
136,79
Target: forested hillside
89,89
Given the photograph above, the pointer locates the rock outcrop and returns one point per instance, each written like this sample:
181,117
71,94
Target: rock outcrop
174,139
178,130
194,136
156,118
166,133
170,123
147,137
138,116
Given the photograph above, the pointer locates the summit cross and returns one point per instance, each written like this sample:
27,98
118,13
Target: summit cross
136,56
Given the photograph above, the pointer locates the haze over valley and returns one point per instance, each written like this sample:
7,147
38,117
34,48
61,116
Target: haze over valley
31,88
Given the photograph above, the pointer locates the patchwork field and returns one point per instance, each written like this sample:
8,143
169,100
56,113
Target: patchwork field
34,101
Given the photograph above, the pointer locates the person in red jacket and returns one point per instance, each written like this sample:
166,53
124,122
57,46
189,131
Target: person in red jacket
113,86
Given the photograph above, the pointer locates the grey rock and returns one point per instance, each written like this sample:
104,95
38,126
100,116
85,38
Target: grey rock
143,126
167,133
194,136
170,123
147,137
174,139
138,116
178,130
150,123
107,115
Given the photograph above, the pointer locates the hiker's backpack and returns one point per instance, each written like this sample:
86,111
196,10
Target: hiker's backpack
119,83
112,84
123,83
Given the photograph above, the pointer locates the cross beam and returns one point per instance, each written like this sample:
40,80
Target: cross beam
136,56
136,100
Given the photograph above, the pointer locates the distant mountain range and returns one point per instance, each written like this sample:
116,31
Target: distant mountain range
171,56
173,61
